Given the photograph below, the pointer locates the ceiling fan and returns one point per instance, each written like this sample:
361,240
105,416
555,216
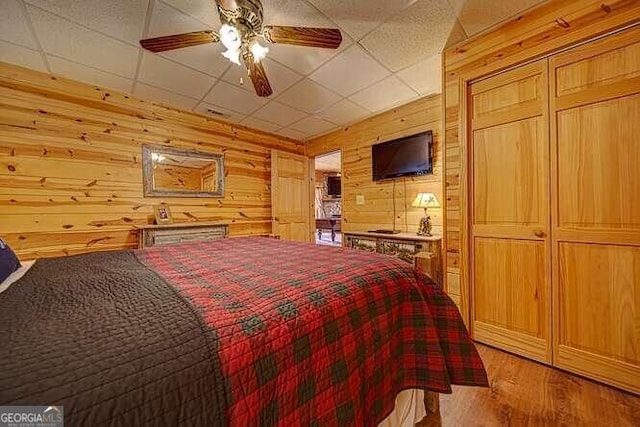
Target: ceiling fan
241,32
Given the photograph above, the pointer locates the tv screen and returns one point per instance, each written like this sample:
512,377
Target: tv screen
403,157
334,185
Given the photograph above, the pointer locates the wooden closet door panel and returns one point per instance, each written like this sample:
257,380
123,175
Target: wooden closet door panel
510,260
598,161
510,295
600,286
595,123
510,175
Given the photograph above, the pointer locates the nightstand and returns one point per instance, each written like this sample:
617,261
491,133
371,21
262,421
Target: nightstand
424,252
152,235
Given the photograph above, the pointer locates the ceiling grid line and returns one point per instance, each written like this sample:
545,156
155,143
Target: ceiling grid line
147,23
31,5
27,18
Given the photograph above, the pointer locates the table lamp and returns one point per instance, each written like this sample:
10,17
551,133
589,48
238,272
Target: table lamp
425,200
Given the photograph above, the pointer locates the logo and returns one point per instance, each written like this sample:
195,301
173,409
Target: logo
31,416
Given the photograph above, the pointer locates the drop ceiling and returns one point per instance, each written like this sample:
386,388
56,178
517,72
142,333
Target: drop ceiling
329,162
390,54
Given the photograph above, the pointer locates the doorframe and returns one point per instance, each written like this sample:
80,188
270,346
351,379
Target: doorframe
312,171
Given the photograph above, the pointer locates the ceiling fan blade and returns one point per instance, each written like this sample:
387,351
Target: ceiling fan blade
329,38
258,75
177,41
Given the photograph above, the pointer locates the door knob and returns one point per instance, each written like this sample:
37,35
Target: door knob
539,233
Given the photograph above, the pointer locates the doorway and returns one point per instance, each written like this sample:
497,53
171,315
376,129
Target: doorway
328,199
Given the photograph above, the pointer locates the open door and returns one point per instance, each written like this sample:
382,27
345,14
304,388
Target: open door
328,198
291,203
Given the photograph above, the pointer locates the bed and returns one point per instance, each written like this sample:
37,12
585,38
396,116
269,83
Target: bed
244,331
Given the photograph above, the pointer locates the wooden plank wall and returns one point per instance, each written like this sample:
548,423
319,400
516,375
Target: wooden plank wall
356,140
70,166
554,25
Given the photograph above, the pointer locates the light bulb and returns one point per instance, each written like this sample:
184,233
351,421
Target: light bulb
232,55
231,39
259,52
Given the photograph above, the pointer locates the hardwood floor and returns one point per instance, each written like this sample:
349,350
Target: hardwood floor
526,393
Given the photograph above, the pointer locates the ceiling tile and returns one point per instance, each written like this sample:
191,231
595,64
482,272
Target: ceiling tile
278,113
120,19
22,56
64,39
425,77
351,70
166,20
384,95
456,36
204,11
294,13
343,112
280,77
254,123
358,17
177,78
295,134
227,115
475,16
313,125
206,58
154,94
72,70
299,13
418,32
308,96
13,25
329,162
457,5
234,98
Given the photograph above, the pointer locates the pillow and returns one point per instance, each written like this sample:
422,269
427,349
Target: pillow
8,261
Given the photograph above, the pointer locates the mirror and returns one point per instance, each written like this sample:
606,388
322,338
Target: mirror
181,173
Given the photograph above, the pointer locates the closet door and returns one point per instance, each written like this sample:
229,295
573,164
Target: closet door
595,140
510,254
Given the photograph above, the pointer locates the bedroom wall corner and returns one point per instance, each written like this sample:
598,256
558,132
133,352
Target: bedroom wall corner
355,141
70,166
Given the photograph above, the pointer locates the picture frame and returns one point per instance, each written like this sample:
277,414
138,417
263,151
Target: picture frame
163,214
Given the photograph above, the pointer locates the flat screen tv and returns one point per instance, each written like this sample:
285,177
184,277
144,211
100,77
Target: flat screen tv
407,156
334,186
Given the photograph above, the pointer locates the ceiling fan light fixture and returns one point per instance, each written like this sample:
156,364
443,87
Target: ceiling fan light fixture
232,40
232,55
240,33
230,37
259,52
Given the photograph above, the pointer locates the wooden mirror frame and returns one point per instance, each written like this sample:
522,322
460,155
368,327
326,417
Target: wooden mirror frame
147,172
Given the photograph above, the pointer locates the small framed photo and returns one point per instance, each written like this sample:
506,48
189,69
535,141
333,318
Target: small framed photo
163,214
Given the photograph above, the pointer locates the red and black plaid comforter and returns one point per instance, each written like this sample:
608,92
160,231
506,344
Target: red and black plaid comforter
313,335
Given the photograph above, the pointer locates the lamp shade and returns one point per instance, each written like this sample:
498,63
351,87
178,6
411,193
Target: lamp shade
425,200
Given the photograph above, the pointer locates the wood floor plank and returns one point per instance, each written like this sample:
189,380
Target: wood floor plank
526,393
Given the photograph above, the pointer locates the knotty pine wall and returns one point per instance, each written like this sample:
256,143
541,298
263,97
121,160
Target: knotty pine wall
554,25
356,140
70,166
